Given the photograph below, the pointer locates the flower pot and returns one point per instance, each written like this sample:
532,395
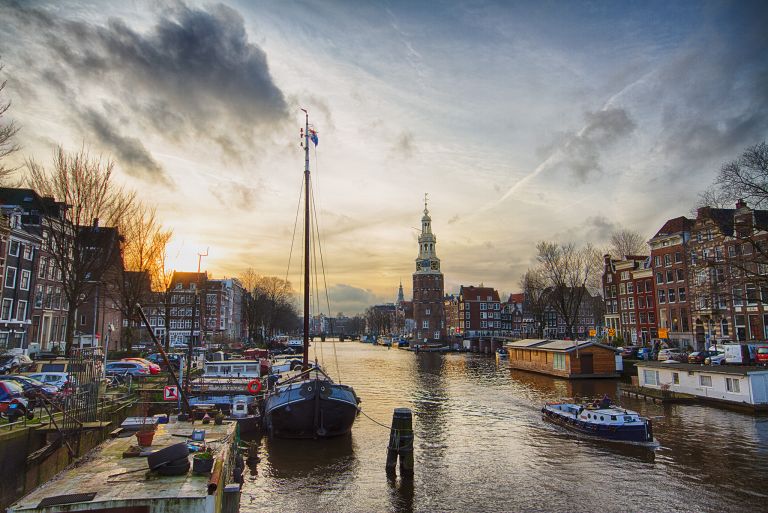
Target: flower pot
145,437
202,465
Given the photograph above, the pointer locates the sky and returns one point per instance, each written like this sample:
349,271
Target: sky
523,121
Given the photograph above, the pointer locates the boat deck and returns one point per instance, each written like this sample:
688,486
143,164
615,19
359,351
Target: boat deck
97,472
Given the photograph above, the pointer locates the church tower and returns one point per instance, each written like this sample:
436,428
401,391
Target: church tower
428,286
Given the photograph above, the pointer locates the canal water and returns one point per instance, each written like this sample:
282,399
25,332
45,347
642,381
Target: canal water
481,445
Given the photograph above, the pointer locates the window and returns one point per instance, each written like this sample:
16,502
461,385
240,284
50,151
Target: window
424,324
21,310
659,277
10,277
740,326
609,278
624,275
719,254
651,318
678,257
631,303
738,299
27,252
724,328
38,296
482,306
693,257
641,302
13,248
681,294
622,289
466,314
651,377
705,381
751,294
632,317
640,286
732,251
483,324
675,378
427,311
657,261
25,277
667,260
558,362
466,324
5,312
662,296
630,288
41,270
699,238
732,385
670,276
680,275
643,318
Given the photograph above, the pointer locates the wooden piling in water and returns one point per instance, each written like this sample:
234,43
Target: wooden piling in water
401,443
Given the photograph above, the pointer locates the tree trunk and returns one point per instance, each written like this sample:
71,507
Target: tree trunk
70,333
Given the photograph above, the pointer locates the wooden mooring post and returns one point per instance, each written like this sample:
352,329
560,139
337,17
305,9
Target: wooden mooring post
401,443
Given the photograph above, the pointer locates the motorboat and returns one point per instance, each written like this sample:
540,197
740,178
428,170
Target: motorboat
601,419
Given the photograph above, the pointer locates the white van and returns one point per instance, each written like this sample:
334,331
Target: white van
739,354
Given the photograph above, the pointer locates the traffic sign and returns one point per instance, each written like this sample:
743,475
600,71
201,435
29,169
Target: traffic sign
170,393
611,332
592,333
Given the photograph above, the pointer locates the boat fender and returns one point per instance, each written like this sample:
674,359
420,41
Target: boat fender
254,386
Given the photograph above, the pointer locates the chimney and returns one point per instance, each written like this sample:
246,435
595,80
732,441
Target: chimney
95,222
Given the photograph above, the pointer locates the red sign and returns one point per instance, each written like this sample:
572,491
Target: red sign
171,393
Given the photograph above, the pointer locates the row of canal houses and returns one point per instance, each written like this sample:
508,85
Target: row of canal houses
705,281
33,303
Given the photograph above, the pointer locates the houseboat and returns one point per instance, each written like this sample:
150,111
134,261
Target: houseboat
105,481
732,386
571,359
602,420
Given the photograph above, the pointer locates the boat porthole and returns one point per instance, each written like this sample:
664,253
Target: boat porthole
601,417
309,389
589,415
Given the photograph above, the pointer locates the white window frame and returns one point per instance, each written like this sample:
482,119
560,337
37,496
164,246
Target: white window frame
21,313
26,274
10,248
9,302
705,381
7,276
27,252
733,385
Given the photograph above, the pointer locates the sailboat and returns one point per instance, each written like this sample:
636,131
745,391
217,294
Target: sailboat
309,404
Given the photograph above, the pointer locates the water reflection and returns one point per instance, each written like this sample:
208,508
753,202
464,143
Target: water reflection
481,445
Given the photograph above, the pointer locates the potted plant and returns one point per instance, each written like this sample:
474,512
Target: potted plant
218,419
202,462
145,434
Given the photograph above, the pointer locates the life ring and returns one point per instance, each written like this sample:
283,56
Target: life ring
254,386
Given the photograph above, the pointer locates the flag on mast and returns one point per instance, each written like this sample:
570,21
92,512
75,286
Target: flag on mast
313,136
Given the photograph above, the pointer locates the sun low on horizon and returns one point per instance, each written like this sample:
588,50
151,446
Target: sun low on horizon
523,122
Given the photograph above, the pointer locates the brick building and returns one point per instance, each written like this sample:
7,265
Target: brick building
480,309
669,262
428,287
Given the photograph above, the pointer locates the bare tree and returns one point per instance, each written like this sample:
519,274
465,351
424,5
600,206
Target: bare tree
536,297
569,273
86,198
270,304
627,242
143,251
746,177
161,285
8,130
249,278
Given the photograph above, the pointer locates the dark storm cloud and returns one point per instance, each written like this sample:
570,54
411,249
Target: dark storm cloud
130,152
193,75
581,151
599,228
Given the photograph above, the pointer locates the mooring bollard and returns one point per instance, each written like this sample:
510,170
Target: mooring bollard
401,443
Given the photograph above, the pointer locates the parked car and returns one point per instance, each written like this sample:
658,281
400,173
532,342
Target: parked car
33,388
13,404
716,359
700,356
61,380
157,358
668,354
153,367
644,353
761,356
135,369
629,352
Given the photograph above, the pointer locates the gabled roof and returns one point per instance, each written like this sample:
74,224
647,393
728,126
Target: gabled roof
472,293
516,298
676,225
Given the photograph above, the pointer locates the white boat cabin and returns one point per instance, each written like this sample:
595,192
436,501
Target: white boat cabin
233,368
611,416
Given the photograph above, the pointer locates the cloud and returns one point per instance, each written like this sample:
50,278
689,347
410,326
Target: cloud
130,152
580,151
404,145
235,195
350,299
194,75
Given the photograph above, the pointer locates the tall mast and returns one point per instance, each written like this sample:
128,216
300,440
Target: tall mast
306,239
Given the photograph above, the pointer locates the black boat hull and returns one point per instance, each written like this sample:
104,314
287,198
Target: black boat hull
313,409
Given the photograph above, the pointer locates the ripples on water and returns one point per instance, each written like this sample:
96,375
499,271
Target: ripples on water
481,445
